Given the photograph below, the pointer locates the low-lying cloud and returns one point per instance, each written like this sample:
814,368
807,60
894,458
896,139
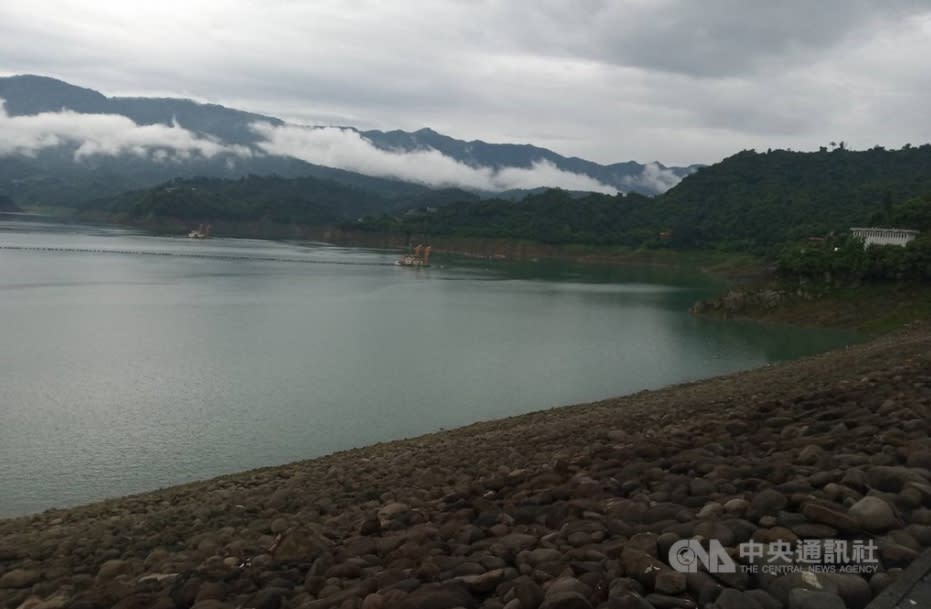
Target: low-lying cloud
114,135
653,178
347,149
105,135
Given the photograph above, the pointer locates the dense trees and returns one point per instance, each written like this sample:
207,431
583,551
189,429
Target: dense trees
748,202
751,202
254,198
844,258
554,216
305,201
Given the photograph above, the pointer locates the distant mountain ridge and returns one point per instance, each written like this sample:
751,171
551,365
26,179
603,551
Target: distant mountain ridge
28,95
483,154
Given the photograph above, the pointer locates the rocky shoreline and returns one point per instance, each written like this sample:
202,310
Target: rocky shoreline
570,508
869,307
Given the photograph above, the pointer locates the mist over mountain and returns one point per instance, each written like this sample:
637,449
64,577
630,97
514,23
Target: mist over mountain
650,179
29,95
60,142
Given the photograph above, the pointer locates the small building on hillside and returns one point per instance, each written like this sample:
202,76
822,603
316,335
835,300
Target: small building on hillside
884,236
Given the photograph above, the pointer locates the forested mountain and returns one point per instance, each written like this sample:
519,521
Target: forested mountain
306,201
750,202
27,94
623,176
55,175
752,199
51,177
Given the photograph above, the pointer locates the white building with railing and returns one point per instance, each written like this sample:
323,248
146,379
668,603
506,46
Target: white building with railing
884,236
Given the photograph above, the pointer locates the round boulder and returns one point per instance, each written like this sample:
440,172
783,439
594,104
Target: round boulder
873,514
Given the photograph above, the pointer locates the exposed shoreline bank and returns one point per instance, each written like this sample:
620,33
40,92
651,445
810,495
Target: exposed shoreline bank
571,506
870,308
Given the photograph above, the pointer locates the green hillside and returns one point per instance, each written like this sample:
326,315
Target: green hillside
755,200
303,201
750,201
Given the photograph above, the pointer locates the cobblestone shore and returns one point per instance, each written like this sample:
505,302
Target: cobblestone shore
570,508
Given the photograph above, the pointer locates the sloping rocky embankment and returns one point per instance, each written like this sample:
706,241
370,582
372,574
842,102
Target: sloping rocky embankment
742,301
572,508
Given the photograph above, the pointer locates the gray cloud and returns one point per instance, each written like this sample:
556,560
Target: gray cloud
674,80
711,38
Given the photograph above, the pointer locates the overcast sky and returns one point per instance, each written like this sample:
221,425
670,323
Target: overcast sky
679,81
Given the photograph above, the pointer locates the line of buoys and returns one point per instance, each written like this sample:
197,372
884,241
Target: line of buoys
81,250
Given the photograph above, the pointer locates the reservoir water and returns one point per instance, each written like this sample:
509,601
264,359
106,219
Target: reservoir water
131,362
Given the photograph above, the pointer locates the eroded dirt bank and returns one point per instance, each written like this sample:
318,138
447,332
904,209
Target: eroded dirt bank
572,508
875,308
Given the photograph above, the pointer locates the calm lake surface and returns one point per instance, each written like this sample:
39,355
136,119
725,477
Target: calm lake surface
131,362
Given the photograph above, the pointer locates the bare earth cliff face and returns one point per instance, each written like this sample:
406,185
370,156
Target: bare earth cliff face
572,508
